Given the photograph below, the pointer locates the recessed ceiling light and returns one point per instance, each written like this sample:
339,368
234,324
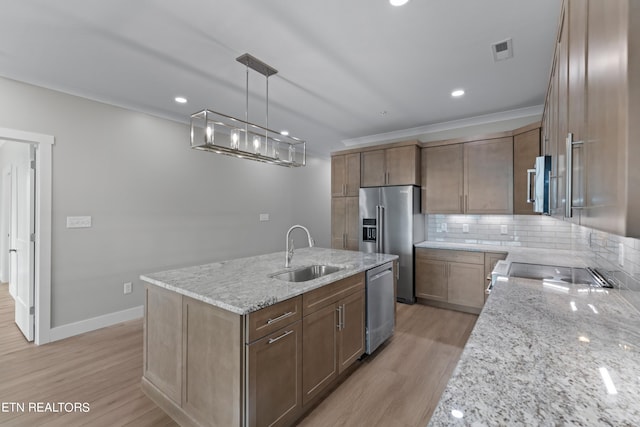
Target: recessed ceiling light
180,99
284,132
398,2
457,93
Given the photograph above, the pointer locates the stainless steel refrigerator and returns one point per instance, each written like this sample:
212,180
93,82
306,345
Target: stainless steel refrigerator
390,222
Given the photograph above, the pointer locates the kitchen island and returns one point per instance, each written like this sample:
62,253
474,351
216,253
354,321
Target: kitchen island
544,353
229,344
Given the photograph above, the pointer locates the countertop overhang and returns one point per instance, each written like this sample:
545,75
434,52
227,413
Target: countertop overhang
545,354
243,285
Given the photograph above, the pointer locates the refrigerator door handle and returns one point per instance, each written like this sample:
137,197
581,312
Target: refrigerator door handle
379,229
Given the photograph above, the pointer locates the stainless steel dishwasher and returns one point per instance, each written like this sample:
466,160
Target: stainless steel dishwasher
380,306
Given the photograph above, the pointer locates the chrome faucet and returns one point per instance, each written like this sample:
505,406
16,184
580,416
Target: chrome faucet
289,245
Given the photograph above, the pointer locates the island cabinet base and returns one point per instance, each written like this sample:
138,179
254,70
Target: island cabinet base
206,366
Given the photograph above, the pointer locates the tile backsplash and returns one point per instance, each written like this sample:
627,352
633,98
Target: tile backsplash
531,231
618,257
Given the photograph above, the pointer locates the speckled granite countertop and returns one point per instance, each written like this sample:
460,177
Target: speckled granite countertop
243,285
541,354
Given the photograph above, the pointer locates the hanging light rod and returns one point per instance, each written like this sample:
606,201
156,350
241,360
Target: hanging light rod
256,65
223,134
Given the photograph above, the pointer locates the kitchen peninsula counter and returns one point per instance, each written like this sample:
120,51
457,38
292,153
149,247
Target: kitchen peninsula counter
243,285
543,353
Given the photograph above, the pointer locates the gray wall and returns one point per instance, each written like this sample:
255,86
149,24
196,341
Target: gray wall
155,203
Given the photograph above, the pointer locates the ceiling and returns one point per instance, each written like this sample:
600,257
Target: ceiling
341,63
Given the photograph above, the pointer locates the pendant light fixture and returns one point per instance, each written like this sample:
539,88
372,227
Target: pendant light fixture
224,134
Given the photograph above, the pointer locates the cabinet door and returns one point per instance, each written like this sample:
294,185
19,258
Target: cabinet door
466,284
319,341
338,176
606,152
352,175
444,179
562,72
351,332
351,223
373,172
403,165
488,177
577,114
338,222
431,279
345,175
526,147
275,377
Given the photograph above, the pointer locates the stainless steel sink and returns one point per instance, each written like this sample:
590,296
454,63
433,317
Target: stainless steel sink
306,273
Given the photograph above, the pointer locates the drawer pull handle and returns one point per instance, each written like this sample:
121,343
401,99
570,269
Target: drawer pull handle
287,314
272,340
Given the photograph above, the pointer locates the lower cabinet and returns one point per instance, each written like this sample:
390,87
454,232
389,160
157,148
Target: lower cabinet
333,336
275,377
452,279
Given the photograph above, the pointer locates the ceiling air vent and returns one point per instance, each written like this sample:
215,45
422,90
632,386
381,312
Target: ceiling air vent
502,50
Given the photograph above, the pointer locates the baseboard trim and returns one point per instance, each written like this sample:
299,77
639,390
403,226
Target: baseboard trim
99,322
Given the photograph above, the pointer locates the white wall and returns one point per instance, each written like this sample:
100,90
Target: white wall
155,203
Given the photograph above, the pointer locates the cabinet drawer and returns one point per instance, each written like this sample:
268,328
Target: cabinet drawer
451,255
272,318
318,298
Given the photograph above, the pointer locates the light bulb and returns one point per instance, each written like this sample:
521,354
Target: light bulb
256,144
235,138
209,132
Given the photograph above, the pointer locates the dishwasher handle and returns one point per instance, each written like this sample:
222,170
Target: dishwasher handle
381,274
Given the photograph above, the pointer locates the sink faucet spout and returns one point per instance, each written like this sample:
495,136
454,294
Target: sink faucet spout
289,244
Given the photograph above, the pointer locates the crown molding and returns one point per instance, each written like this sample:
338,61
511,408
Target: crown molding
444,126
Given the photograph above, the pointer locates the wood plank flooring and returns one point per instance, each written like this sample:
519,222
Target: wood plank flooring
398,386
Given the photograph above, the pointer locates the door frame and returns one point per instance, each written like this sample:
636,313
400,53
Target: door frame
43,199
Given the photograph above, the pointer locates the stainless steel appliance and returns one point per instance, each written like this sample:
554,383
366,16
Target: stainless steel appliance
380,306
541,197
390,222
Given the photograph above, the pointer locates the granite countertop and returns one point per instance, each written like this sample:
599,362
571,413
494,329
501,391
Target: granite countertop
243,285
539,354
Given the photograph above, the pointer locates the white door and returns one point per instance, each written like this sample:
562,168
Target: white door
5,226
25,246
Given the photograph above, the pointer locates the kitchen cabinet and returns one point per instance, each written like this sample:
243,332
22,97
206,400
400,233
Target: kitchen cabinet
275,377
344,223
488,178
443,179
471,178
451,278
526,147
592,101
391,166
345,175
334,331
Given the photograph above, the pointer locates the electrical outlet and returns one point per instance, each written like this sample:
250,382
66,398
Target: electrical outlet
264,217
128,287
444,226
465,228
503,229
621,254
78,221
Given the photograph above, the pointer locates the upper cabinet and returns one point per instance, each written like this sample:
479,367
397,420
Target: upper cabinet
471,178
391,166
590,131
345,175
526,147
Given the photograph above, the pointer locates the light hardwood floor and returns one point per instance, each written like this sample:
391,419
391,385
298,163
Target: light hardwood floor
398,386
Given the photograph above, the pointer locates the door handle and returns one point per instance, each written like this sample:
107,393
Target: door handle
529,192
13,250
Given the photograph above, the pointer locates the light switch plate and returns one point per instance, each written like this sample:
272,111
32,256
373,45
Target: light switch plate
444,226
503,229
465,228
78,221
264,217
